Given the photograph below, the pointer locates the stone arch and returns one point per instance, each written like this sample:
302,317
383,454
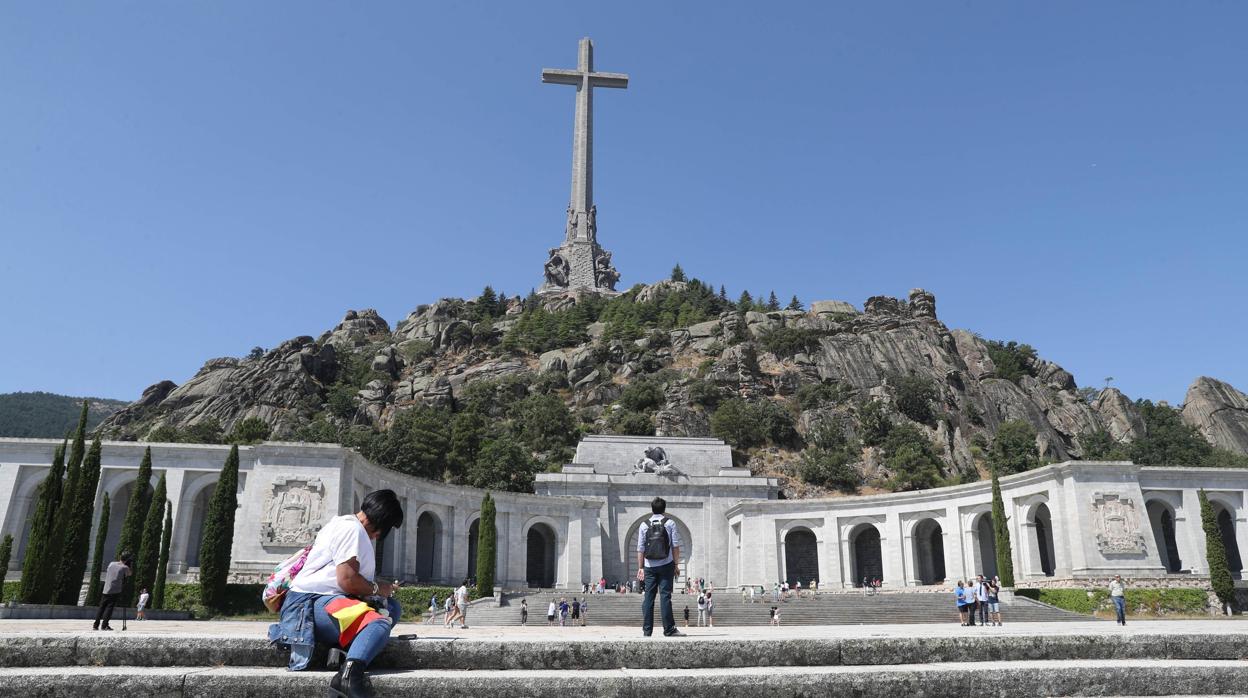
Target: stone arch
22,516
541,555
928,543
193,512
865,553
688,553
429,534
801,556
1161,520
1042,526
985,547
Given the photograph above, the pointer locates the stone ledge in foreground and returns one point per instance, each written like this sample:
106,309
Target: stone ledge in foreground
1000,679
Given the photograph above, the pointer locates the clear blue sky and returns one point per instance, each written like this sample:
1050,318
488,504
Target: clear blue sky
185,180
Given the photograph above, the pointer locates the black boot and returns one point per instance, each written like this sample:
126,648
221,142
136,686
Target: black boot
350,682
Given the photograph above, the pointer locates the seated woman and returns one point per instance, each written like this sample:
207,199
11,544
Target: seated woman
326,597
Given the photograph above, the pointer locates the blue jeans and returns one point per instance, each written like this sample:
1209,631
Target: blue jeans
659,579
1120,608
367,644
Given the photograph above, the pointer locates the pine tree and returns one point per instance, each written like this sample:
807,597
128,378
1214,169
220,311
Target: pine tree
39,558
95,587
794,304
1001,532
678,274
162,565
723,293
73,565
1215,553
149,548
487,541
218,540
745,303
773,303
136,511
6,552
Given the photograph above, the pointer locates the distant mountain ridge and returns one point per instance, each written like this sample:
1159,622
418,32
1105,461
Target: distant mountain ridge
48,415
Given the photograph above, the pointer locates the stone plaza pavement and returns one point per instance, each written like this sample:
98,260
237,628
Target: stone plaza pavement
539,631
203,659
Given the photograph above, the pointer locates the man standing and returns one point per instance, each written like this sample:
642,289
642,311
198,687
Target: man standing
658,565
972,599
981,599
461,604
114,581
1117,592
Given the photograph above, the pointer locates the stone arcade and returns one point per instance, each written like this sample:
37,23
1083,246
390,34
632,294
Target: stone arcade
1070,521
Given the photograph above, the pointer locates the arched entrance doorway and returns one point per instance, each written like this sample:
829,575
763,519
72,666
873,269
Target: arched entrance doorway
472,548
868,560
929,552
1161,520
986,547
1226,526
801,557
428,531
1044,539
195,530
540,560
689,563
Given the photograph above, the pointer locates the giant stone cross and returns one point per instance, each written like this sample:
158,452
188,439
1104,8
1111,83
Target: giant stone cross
580,263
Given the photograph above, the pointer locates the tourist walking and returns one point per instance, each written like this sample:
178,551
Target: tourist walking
524,611
658,565
584,610
1118,594
960,595
550,612
972,599
563,612
710,610
701,610
447,607
994,601
140,611
775,615
576,611
114,582
433,609
324,602
686,615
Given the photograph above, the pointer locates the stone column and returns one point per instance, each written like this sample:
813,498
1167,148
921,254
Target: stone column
175,482
830,560
1192,533
951,531
891,551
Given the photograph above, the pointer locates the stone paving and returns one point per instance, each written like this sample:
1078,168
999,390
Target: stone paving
536,632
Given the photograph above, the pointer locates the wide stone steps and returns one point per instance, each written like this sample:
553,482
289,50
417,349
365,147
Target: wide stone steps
1008,679
822,609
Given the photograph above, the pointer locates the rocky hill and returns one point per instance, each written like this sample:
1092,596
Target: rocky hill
47,415
702,361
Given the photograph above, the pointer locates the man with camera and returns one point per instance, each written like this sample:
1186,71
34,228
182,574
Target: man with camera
114,583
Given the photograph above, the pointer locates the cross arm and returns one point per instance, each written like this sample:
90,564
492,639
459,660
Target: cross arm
560,76
608,80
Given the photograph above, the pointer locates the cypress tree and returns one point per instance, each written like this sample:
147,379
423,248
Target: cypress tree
162,565
218,540
149,549
487,541
1215,553
73,564
6,552
95,587
36,584
1001,532
136,511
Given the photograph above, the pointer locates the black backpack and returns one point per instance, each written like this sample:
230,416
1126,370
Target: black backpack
658,545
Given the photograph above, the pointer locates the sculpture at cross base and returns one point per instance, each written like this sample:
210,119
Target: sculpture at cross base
580,263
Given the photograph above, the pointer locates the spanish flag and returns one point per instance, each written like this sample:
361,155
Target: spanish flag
352,615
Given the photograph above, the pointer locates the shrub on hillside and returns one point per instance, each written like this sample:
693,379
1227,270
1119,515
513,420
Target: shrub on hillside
1012,360
1014,448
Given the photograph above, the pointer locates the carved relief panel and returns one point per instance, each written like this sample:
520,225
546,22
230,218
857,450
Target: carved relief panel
292,511
1117,525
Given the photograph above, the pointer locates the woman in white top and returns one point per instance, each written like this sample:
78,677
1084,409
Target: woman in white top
339,573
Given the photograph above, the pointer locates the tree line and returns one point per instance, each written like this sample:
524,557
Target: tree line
56,556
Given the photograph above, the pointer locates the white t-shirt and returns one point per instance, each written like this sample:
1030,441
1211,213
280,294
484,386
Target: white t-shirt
342,539
461,596
550,610
143,599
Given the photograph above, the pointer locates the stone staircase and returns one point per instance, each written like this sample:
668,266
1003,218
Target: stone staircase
812,609
957,662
